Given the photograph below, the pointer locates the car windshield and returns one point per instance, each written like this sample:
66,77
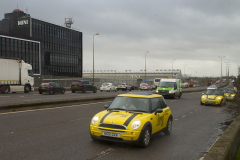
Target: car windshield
229,91
214,92
166,84
144,84
105,84
122,84
130,104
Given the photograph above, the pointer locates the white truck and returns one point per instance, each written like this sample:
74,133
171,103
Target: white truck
15,76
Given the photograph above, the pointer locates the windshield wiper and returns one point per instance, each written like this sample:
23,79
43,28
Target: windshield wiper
117,109
137,111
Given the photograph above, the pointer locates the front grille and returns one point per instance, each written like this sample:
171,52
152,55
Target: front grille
163,92
113,126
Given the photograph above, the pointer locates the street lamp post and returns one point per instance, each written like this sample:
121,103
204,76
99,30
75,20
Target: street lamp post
172,67
221,69
184,69
145,65
93,55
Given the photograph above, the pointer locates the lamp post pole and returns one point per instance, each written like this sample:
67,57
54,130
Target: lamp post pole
172,67
221,69
145,66
93,55
184,69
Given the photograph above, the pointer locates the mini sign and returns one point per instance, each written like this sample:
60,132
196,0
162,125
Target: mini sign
23,22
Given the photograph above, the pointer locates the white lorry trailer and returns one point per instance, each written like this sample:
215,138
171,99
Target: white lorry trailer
15,76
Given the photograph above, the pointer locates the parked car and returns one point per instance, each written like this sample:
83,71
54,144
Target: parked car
51,88
123,87
108,87
132,118
145,86
83,85
153,87
134,87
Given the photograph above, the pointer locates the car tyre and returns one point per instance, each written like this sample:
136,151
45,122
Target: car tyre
40,92
26,89
63,91
95,91
168,129
5,89
146,137
180,95
73,91
84,90
173,97
221,103
125,89
100,90
115,90
93,138
201,103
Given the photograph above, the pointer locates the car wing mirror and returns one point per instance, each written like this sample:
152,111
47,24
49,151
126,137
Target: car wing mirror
158,111
106,106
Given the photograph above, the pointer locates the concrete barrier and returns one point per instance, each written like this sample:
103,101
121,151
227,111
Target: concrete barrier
226,147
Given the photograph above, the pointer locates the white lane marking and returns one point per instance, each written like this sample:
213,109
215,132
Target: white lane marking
176,119
173,100
21,96
4,96
53,108
191,113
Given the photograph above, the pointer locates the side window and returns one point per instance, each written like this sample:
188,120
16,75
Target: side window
57,85
175,85
155,104
162,103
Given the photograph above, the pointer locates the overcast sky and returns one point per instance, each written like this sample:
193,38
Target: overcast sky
194,32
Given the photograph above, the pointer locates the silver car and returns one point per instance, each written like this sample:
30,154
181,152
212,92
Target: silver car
123,87
145,86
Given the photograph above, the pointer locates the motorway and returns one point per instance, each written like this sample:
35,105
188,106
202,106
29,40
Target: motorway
63,132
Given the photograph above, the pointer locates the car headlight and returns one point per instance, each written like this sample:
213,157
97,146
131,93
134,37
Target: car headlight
203,97
95,119
219,98
170,91
136,124
156,90
232,95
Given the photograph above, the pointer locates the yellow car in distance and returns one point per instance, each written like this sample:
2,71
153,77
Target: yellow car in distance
229,94
213,97
133,118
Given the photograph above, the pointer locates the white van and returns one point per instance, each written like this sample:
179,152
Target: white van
170,87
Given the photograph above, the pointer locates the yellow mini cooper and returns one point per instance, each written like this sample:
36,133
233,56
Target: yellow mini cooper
213,97
229,94
133,118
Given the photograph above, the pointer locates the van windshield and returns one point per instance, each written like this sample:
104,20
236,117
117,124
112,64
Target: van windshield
166,84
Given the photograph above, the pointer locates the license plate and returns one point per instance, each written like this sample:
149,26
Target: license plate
104,88
75,86
210,101
43,87
110,134
120,86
